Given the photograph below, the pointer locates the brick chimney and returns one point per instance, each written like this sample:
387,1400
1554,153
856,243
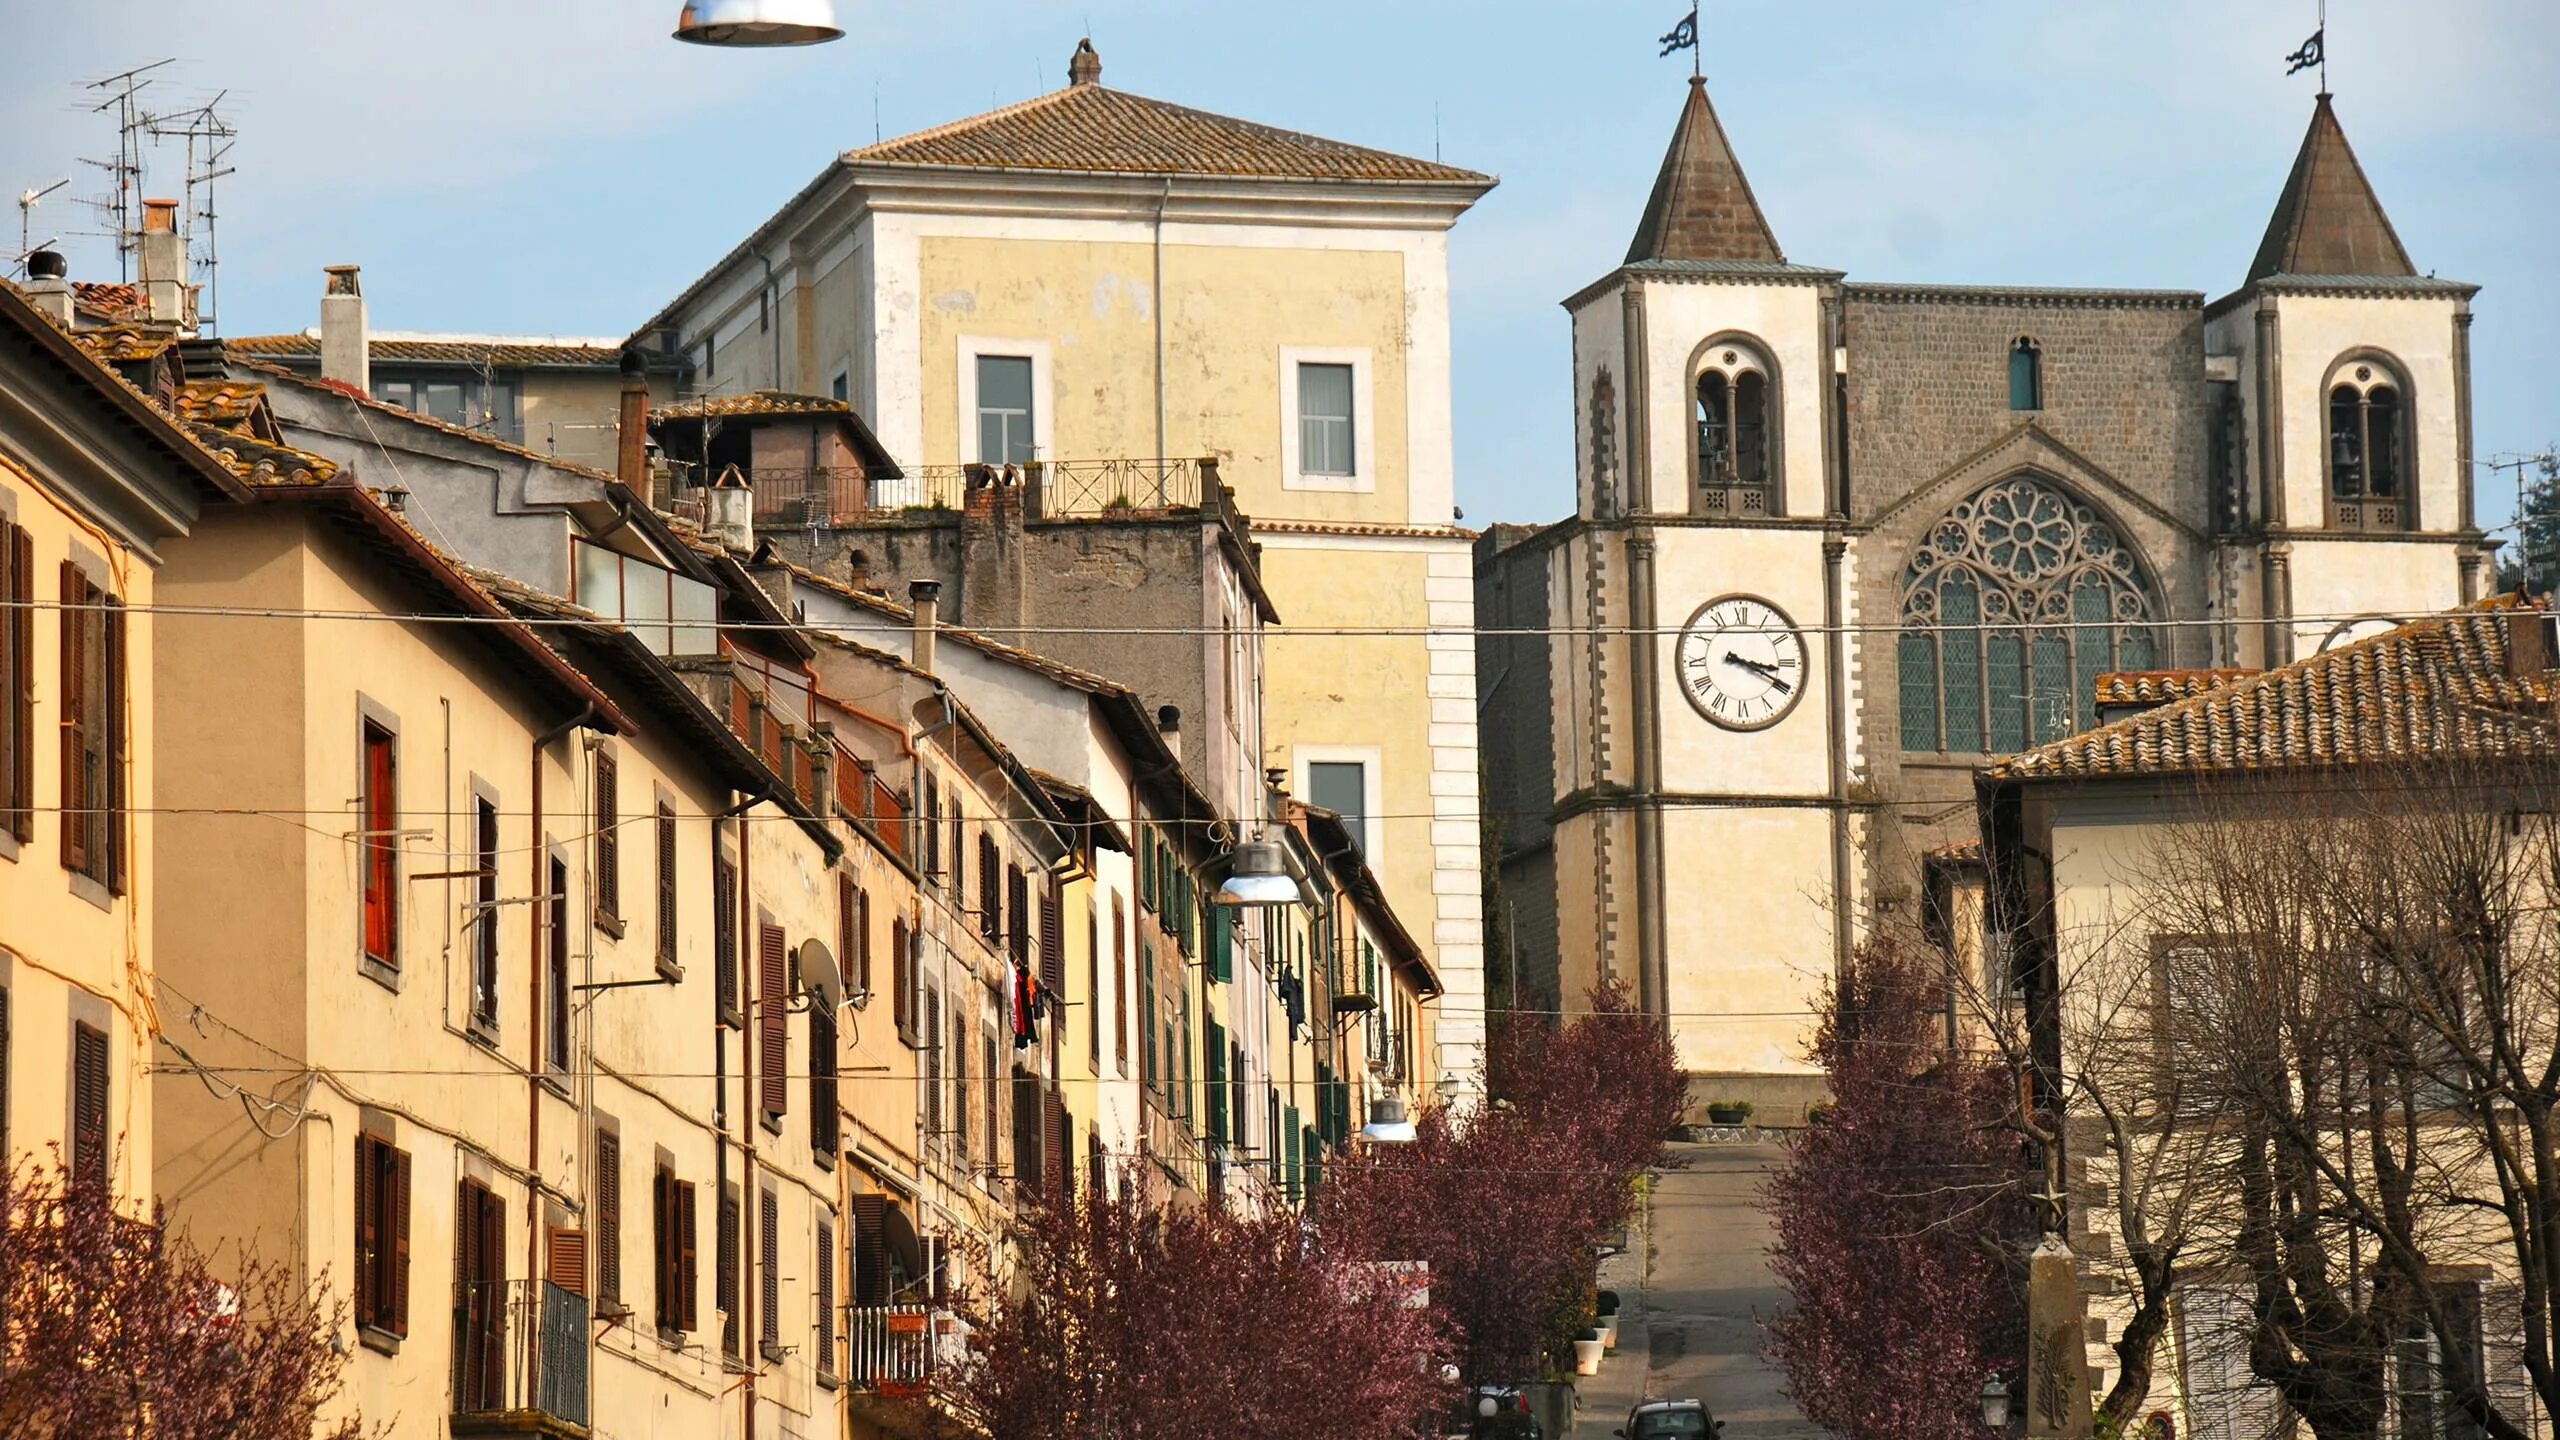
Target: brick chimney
925,598
48,285
631,431
346,352
162,266
2533,649
1085,66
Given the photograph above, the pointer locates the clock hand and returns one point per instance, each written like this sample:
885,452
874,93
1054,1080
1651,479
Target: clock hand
1764,670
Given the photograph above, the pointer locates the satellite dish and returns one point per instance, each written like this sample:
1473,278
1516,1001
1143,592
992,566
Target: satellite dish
818,975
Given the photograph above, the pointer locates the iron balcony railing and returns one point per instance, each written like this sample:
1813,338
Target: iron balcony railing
519,1358
901,1349
821,497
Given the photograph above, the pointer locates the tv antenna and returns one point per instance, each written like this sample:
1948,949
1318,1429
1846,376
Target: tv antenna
209,138
124,173
27,202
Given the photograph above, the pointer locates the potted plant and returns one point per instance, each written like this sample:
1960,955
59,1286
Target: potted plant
1728,1112
1587,1350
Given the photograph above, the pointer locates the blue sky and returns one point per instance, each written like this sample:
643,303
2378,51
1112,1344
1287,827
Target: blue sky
561,167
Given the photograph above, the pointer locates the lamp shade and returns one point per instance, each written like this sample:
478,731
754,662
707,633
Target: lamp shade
752,23
1387,1124
1258,876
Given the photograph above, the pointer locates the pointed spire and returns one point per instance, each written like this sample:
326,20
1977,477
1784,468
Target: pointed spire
1702,207
2328,221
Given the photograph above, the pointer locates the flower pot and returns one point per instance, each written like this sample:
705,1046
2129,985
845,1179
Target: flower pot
1609,1332
1586,1356
1728,1114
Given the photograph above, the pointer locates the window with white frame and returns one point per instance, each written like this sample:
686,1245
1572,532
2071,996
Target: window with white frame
1342,786
1326,420
1004,410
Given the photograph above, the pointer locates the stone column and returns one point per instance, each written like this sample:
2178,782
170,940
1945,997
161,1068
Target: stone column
2057,1391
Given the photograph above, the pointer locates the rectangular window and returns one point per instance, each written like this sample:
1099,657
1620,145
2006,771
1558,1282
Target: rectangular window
853,935
89,1086
1053,942
1093,985
17,683
769,1255
1120,992
608,1201
93,720
960,1080
484,919
902,979
608,840
480,1304
725,1284
724,936
676,1251
378,841
930,831
992,1077
555,981
932,1062
382,1236
1147,1013
1324,419
1004,409
1017,916
667,888
990,896
824,1119
826,1298
773,1055
1029,1147
1342,786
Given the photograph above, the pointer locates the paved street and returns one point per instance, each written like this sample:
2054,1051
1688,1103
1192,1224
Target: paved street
1696,1330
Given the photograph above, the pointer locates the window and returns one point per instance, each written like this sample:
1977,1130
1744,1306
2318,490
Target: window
378,841
17,683
608,1203
6,1154
1147,1014
1017,913
666,888
725,1283
480,1299
932,1062
2368,450
1735,454
89,1086
608,844
930,831
769,1288
1604,444
902,980
841,387
1053,943
382,1236
990,897
1121,991
724,935
1029,1144
853,935
555,982
1325,420
773,1021
1092,987
2423,1381
93,704
826,1359
1342,786
674,1253
992,1078
824,1119
485,915
2026,375
1004,410
960,1081
490,408
2012,607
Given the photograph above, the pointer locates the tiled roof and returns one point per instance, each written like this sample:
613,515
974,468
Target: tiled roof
260,462
501,351
125,344
1366,527
226,403
2431,688
2158,687
1095,130
1702,207
107,299
2328,221
754,402
377,407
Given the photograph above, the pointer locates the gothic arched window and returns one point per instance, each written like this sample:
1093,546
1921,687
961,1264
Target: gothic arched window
2368,448
1604,444
1737,423
2012,607
2026,375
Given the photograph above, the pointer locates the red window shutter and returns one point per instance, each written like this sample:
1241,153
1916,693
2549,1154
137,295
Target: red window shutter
74,705
399,1286
608,1215
688,1257
774,1058
608,838
380,845
368,1231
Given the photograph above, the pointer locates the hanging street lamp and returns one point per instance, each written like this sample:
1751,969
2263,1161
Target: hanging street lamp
758,24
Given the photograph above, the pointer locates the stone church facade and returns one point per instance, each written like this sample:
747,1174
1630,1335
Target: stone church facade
1837,543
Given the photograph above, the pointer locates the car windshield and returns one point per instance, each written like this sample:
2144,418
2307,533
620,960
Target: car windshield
1668,1423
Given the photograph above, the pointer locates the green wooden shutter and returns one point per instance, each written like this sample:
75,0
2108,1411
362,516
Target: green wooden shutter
1215,1052
1222,943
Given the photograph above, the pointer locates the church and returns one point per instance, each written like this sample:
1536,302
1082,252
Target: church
1837,543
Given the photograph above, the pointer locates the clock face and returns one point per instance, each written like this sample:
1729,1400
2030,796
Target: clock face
1741,662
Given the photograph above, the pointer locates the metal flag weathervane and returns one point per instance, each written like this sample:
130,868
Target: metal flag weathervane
1684,36
2314,51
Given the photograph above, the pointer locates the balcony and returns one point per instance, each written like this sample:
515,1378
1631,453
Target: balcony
897,1350
519,1360
824,497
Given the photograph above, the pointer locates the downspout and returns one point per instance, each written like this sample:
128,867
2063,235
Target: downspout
533,988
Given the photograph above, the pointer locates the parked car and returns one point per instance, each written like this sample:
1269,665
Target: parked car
1671,1420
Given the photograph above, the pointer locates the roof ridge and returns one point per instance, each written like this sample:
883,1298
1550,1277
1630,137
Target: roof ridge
949,127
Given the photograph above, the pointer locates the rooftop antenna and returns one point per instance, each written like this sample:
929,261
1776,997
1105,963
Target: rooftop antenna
875,111
27,201
1435,132
209,137
124,173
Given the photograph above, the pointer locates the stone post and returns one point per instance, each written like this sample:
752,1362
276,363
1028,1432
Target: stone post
2057,1390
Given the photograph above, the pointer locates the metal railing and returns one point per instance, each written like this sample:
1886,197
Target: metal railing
823,497
519,1353
899,1349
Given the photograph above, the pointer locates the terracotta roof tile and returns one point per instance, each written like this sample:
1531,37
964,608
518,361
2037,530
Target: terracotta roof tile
1092,129
125,344
107,300
500,351
754,402
2156,687
2433,687
226,403
260,462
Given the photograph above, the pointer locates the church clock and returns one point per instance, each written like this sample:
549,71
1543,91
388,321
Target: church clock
1741,662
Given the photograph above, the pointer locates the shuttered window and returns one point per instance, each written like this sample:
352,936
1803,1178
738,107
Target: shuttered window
902,979
88,1107
853,935
382,1236
1146,1014
769,1257
608,1202
667,887
17,683
990,897
870,1250
608,838
1057,1178
825,1120
725,1285
826,1266
930,832
1214,1051
1093,985
994,1083
932,1062
555,981
773,1055
724,937
92,702
378,810
484,923
1222,943
1121,991
1053,945
960,1078
480,1299
7,1155
1029,1147
1017,915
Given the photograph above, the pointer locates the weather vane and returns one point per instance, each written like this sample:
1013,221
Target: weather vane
1684,36
2314,51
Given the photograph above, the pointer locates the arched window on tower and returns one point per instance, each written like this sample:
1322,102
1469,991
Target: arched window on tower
2026,374
2368,451
1737,432
2012,607
1604,444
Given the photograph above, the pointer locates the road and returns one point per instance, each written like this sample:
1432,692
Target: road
1705,1287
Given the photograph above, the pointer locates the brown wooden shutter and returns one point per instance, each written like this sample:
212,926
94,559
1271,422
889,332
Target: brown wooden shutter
368,1231
1054,1148
990,891
399,1186
724,934
769,1258
826,1297
1017,915
18,639
110,735
774,1057
870,1250
608,1215
662,1246
688,1257
725,1289
932,1062
862,938
1053,946
608,839
565,1258
902,1004
667,884
89,1107
74,705
823,1114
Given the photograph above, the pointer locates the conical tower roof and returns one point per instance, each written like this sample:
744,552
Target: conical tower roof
2328,221
1702,208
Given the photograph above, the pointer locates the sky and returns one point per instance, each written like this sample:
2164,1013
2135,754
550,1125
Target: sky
562,167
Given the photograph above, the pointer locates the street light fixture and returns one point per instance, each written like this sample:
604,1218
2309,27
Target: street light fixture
751,24
1387,1123
1258,876
1995,1403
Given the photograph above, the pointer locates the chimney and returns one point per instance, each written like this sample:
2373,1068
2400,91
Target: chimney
729,512
163,266
346,351
1085,66
48,285
1169,725
2533,649
631,434
925,596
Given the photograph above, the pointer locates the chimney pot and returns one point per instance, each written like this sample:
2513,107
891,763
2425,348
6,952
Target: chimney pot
48,287
925,598
159,217
46,265
1169,719
729,511
346,346
161,267
631,431
1085,66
